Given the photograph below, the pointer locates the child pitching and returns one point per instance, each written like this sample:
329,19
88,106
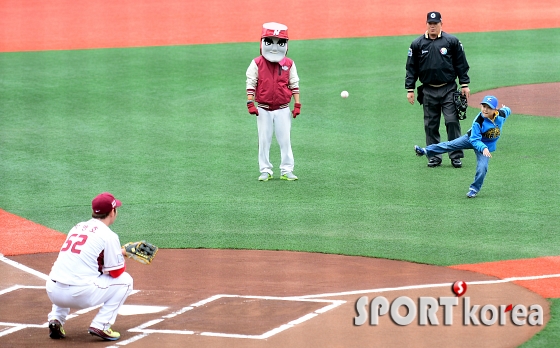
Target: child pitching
482,138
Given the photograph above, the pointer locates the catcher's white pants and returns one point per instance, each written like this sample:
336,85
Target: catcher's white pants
106,290
280,122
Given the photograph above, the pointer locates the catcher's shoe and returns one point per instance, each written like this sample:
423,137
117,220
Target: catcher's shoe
419,150
289,176
265,177
472,193
56,330
108,335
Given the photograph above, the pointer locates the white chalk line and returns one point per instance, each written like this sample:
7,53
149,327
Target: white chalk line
426,286
331,304
17,287
144,331
23,267
15,327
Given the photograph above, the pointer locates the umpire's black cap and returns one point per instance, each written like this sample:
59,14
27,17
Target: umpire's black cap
433,17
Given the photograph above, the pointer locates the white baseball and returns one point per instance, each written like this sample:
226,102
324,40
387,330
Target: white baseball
344,94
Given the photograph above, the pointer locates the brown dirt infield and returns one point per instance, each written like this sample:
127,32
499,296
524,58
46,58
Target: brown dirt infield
267,290
540,99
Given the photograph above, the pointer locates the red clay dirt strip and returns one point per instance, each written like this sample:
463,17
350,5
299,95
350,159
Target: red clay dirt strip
35,25
38,238
524,268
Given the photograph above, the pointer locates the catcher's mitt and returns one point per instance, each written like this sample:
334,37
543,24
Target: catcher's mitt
461,104
142,251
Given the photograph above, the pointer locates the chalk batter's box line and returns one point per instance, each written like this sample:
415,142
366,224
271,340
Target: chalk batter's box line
334,304
14,327
337,294
19,326
144,328
426,286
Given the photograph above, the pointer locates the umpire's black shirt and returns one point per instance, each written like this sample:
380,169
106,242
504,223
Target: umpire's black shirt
436,62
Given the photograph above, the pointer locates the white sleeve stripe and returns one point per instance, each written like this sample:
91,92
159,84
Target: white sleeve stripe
252,75
294,78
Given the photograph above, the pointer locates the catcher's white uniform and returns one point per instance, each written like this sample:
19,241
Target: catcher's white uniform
80,276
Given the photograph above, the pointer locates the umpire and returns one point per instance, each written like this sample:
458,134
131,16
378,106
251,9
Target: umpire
437,59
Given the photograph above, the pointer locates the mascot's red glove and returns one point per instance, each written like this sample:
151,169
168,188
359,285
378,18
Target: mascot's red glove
296,110
252,109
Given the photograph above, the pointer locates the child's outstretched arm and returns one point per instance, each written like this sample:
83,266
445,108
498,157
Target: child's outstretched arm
504,111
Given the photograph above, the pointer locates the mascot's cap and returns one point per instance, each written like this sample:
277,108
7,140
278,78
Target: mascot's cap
104,202
491,101
433,17
273,29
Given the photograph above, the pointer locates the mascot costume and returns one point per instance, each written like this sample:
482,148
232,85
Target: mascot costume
272,80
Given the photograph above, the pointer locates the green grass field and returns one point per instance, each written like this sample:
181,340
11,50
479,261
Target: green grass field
166,130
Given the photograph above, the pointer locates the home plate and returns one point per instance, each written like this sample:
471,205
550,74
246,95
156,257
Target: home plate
137,309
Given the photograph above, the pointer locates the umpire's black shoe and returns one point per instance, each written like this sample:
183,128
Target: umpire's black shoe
456,162
434,162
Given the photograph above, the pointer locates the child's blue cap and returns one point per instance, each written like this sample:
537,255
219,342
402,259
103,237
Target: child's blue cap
491,101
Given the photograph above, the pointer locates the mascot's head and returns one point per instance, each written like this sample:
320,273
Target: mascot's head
274,41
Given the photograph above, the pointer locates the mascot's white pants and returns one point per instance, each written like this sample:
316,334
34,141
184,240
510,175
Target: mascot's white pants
280,122
106,290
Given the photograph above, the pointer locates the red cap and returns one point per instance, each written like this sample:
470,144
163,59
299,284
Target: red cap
104,203
273,29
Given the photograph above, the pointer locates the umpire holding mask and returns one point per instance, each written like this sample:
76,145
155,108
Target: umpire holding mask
437,59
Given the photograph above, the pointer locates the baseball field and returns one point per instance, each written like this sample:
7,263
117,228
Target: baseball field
146,100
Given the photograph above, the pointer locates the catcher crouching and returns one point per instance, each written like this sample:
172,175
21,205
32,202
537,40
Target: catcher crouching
90,271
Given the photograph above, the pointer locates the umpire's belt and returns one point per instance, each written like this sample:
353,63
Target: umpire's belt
437,86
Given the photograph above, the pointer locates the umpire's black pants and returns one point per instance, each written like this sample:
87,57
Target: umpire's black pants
438,100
